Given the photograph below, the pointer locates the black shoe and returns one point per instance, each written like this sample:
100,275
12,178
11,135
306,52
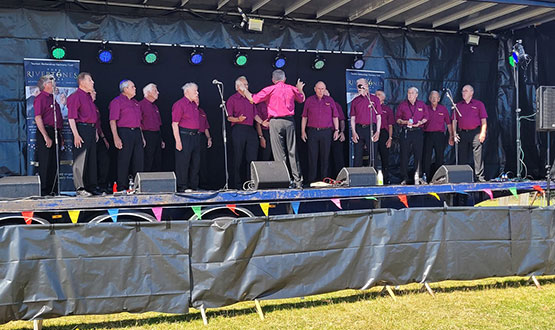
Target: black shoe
96,192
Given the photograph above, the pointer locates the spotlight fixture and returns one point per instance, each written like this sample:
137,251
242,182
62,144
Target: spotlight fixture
196,57
280,61
105,55
240,59
250,24
319,62
358,62
58,52
150,56
472,39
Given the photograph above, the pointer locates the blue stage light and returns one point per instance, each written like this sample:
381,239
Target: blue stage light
358,62
196,57
280,61
105,56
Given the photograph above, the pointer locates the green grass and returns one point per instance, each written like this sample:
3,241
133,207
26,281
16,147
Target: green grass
496,303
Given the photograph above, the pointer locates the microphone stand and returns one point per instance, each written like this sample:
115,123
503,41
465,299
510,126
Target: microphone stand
454,107
371,106
56,144
224,119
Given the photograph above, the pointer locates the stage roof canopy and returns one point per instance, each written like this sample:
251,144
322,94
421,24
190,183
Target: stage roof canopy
445,15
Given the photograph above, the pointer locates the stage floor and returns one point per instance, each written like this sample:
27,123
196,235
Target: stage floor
205,198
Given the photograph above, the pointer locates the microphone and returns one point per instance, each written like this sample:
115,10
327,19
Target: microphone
217,82
361,86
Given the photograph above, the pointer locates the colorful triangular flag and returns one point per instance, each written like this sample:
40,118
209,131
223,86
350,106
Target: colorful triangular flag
514,192
265,207
157,211
198,211
232,207
489,192
74,215
27,216
337,203
435,195
113,214
403,199
538,189
370,197
295,206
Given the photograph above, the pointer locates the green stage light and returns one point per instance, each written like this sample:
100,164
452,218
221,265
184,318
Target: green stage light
241,59
150,56
319,63
58,52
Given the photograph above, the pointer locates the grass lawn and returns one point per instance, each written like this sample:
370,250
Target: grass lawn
496,303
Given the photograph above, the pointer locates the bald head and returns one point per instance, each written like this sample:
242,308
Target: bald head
320,89
467,93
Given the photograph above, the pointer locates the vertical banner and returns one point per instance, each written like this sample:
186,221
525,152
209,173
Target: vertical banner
375,82
65,72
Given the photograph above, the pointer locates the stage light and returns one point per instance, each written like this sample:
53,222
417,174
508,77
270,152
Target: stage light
319,63
58,52
196,57
150,56
241,59
280,61
105,56
358,62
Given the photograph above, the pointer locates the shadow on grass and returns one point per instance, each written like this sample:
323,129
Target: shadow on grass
308,303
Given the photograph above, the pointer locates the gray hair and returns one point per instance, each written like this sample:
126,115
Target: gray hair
149,88
124,84
363,80
278,75
413,89
469,86
320,82
238,81
434,92
43,80
189,85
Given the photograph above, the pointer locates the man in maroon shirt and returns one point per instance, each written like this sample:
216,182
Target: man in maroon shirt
386,135
242,114
150,125
125,122
280,99
263,131
472,126
366,118
411,115
318,125
46,108
434,134
185,126
337,146
82,118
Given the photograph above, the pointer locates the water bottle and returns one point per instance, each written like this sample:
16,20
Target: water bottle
424,178
131,184
380,178
416,178
409,125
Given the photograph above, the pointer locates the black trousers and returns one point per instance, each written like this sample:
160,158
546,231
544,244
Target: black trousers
131,156
245,148
203,171
411,143
384,153
433,141
47,162
470,145
84,159
153,151
319,144
187,161
364,139
103,164
338,157
265,154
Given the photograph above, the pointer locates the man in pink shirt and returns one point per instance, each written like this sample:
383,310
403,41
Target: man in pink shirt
280,98
150,125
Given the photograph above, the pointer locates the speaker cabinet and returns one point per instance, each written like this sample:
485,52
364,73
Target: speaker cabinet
270,175
545,105
19,186
357,176
453,174
155,182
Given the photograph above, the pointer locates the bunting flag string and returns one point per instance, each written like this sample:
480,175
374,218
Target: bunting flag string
403,199
113,214
538,189
435,195
27,216
295,206
370,197
74,215
489,192
337,203
514,192
157,211
265,208
232,208
198,211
